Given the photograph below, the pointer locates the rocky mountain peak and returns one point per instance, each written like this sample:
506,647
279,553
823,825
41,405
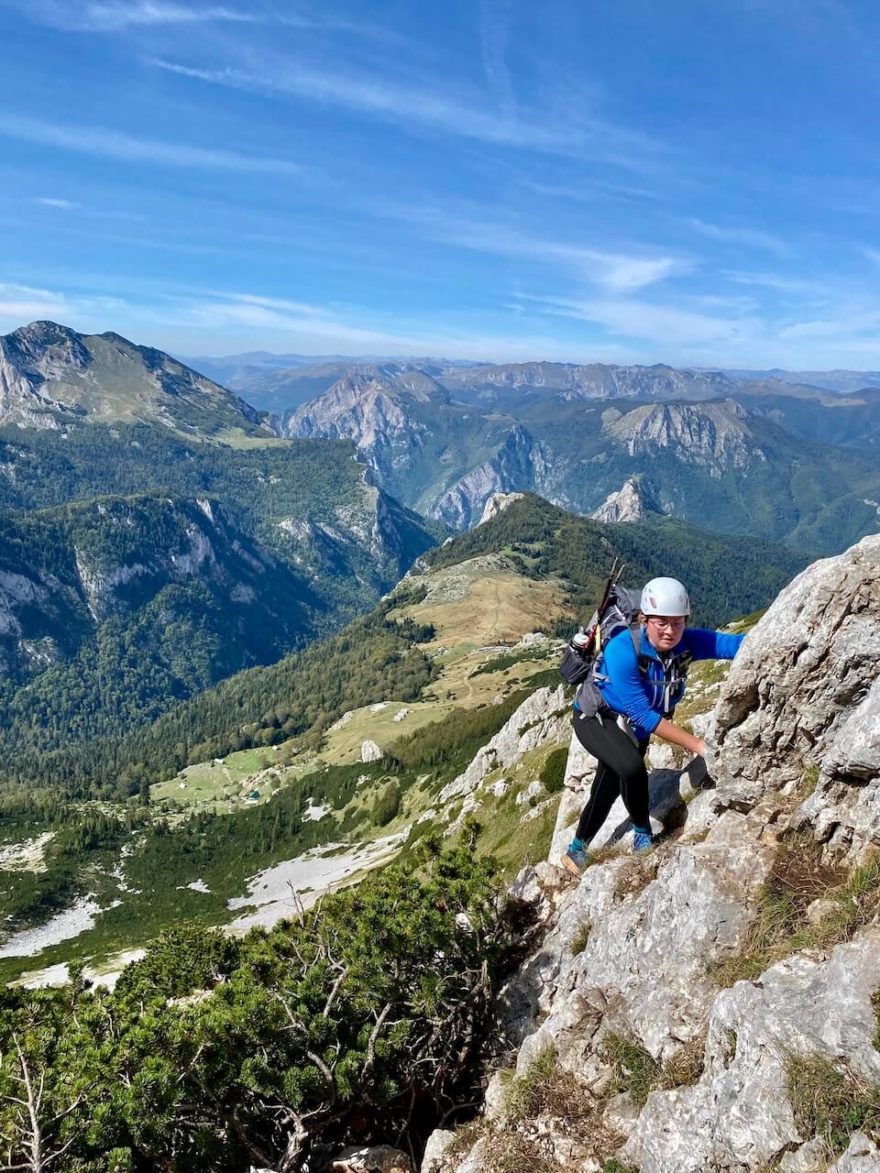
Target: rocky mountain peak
50,375
497,503
628,503
361,406
697,1010
715,435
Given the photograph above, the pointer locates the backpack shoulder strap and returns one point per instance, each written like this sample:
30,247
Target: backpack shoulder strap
635,633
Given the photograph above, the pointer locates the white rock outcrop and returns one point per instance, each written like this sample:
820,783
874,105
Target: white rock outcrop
541,718
371,752
624,504
497,503
801,706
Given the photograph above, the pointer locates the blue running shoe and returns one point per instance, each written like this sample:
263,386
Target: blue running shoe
575,858
643,840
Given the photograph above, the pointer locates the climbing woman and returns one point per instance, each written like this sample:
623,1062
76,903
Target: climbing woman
637,681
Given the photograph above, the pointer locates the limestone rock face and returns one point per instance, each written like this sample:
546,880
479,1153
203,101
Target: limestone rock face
637,949
542,717
802,702
626,504
520,461
861,1156
715,436
735,1116
497,503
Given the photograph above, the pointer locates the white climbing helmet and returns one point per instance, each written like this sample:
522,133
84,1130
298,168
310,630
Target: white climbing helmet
665,596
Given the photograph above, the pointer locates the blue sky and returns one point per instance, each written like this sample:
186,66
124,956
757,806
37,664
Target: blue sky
695,182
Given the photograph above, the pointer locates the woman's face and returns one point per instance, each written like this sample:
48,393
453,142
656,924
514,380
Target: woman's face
664,632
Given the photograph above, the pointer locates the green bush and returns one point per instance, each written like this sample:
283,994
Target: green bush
553,770
213,1052
387,804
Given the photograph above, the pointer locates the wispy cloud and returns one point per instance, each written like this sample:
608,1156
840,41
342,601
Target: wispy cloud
740,235
121,15
703,331
664,326
20,304
494,18
309,327
465,116
114,144
781,282
587,191
615,272
56,202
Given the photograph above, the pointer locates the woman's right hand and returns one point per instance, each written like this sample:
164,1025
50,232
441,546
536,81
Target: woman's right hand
679,736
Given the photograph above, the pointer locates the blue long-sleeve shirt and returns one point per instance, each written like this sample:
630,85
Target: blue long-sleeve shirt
643,696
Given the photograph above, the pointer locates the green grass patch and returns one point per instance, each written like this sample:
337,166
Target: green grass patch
829,1102
514,840
553,770
638,1073
581,938
509,659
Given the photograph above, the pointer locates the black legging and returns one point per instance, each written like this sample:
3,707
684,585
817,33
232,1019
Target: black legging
621,770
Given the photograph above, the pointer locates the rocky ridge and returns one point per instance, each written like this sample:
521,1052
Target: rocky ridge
714,435
445,442
713,1007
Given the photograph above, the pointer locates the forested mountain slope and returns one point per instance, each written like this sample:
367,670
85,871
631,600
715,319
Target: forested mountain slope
116,608
138,567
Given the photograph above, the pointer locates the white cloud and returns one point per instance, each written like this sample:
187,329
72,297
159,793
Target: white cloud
56,202
740,235
777,281
115,16
616,272
663,326
20,304
113,144
684,334
465,116
311,329
118,16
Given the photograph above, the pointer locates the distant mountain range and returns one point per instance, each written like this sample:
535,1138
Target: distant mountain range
844,382
764,455
739,457
242,372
